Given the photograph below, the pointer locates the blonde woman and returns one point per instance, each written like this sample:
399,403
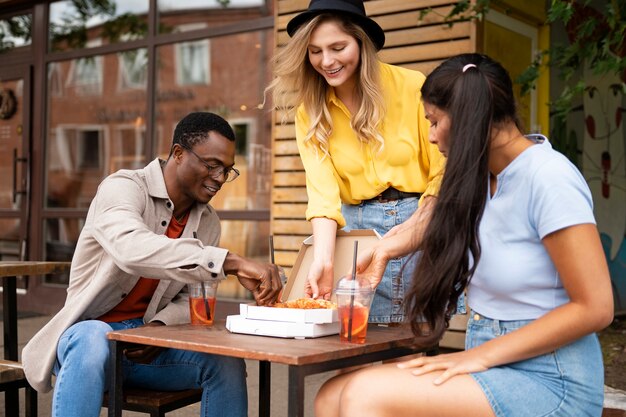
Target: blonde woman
362,137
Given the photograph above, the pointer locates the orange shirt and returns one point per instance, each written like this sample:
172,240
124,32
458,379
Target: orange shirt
134,305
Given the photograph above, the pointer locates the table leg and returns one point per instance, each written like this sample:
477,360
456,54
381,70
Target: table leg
295,402
9,312
265,385
9,316
115,384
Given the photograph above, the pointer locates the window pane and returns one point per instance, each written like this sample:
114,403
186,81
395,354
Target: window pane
245,238
96,124
232,88
60,236
74,23
15,32
178,16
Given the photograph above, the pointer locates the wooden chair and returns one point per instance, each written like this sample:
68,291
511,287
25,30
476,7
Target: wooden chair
613,412
156,403
454,338
12,378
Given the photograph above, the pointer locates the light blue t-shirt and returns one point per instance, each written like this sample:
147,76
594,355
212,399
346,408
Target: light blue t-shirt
538,193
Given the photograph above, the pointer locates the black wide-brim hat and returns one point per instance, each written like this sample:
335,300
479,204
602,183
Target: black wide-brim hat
353,9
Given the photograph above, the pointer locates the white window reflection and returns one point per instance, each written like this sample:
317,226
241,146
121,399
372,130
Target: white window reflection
133,69
193,59
85,74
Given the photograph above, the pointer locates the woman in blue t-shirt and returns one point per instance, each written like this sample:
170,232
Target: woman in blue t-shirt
513,225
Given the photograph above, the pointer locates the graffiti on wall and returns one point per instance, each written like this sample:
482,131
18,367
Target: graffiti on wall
598,147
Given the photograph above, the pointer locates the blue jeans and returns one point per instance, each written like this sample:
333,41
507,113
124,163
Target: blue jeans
566,382
82,369
387,306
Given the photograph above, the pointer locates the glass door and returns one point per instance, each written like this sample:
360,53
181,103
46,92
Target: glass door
14,162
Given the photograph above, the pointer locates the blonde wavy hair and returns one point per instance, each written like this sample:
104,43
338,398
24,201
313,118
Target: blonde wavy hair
296,82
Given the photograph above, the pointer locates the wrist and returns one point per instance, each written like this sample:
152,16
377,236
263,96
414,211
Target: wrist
232,263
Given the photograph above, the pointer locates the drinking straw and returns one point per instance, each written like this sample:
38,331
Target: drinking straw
356,248
207,310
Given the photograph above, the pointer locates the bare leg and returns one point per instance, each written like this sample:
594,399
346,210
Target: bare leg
327,399
387,390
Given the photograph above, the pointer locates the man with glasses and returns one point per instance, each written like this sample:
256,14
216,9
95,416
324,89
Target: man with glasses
148,232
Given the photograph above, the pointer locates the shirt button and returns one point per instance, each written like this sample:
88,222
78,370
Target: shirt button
211,265
168,204
163,223
476,316
123,295
213,274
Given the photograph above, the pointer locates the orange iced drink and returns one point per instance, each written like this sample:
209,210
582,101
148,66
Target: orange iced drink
197,310
359,323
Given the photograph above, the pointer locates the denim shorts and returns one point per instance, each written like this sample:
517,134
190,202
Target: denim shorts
568,382
387,306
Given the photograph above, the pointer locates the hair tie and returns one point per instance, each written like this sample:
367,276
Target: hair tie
468,66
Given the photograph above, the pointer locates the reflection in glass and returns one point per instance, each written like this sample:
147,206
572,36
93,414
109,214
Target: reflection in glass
11,179
74,23
194,63
235,92
212,13
133,69
245,238
95,126
15,32
60,236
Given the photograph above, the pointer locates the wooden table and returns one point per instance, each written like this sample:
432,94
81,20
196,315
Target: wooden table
9,271
303,357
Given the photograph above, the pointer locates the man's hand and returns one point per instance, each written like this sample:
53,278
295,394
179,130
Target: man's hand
142,353
262,279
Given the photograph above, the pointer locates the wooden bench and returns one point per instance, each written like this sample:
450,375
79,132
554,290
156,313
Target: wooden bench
156,403
613,412
454,338
12,378
11,372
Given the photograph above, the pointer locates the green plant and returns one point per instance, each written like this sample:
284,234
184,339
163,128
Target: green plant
596,39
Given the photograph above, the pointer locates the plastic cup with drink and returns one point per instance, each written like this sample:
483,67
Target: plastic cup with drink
202,302
354,297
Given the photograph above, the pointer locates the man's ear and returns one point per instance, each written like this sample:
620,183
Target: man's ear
177,152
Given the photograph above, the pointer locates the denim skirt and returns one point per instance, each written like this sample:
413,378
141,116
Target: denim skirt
387,306
568,382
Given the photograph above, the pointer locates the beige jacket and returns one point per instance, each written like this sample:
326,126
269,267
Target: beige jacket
123,239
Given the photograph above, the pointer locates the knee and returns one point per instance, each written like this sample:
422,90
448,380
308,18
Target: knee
229,371
328,397
358,396
86,341
327,400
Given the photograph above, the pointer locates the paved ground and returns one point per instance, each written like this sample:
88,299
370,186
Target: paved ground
28,326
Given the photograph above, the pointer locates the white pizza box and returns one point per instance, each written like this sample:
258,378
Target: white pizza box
284,322
239,324
293,315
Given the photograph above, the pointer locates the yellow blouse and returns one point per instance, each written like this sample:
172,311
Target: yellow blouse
355,171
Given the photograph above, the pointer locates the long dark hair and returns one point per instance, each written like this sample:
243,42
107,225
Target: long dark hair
475,98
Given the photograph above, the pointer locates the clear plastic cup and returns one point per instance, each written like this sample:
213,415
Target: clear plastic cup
354,297
202,302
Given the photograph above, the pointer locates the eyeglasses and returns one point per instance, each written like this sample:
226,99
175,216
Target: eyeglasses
216,171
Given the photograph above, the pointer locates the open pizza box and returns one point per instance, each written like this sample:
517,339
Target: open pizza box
302,323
